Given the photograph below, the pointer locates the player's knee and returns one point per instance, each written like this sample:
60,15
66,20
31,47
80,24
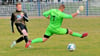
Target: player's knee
70,31
45,39
24,32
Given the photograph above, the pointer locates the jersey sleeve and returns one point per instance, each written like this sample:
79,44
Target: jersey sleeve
25,17
12,22
47,13
67,16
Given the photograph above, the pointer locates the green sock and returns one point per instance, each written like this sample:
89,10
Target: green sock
76,34
37,40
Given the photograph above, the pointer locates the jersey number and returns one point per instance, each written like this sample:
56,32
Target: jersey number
53,18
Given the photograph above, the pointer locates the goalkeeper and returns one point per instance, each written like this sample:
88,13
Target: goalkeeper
56,17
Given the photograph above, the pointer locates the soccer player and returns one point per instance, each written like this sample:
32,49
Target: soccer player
19,18
56,17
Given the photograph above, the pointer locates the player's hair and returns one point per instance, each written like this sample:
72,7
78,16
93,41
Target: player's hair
18,4
61,6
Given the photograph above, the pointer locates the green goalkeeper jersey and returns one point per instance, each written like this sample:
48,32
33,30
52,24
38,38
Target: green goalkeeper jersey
56,17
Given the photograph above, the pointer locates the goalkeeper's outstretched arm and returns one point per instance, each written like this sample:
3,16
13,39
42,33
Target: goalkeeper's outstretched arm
81,8
74,14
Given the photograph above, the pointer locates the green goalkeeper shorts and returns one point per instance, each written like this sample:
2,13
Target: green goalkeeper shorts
58,31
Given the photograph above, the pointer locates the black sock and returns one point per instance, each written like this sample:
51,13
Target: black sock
19,39
26,39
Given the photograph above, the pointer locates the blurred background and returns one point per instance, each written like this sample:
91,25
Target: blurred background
37,7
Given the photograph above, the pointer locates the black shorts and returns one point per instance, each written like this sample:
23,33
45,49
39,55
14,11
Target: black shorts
20,27
45,36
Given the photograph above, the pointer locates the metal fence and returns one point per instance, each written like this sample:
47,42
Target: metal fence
37,8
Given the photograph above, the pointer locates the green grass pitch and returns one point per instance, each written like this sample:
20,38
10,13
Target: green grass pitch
56,45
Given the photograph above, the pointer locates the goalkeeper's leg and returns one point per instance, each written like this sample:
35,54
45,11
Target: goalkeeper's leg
77,34
37,40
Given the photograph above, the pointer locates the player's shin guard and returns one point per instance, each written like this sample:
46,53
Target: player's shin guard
76,34
37,40
19,39
26,39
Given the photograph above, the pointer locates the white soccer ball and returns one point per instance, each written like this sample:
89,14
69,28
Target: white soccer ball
71,47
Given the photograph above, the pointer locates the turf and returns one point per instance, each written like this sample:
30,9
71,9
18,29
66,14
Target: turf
57,44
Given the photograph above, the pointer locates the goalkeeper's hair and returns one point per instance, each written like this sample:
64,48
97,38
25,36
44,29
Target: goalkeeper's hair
18,4
61,6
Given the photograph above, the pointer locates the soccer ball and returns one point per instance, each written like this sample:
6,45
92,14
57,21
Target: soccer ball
71,47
